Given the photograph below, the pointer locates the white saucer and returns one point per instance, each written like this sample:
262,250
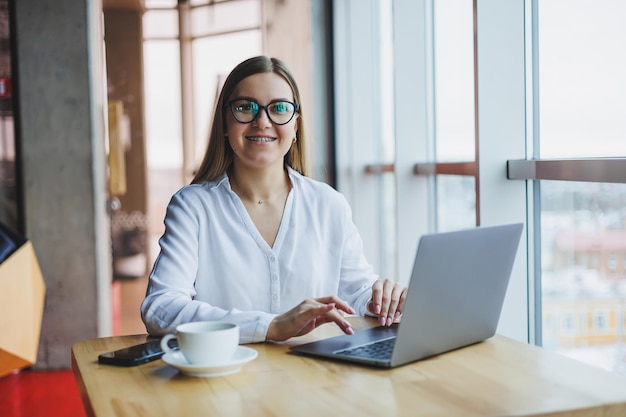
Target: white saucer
241,356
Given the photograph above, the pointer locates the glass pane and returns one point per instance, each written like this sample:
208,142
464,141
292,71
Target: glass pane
225,17
210,72
160,24
163,104
583,251
456,202
454,80
387,191
387,143
582,62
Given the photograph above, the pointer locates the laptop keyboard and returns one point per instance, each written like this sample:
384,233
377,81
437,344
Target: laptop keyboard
377,350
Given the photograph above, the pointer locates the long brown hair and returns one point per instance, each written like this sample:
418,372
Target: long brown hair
219,155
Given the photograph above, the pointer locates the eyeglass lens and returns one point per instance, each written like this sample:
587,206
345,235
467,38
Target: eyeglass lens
279,112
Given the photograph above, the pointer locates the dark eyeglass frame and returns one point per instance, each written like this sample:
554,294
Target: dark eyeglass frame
296,109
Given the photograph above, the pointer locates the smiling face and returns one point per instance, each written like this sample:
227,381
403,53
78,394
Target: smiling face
261,143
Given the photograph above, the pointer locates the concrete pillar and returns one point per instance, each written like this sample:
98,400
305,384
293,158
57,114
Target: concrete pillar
60,117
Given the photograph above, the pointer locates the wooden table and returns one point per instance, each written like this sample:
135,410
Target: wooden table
498,377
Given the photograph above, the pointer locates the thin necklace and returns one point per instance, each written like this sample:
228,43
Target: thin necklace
260,201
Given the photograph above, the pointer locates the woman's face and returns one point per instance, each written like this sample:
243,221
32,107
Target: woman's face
261,143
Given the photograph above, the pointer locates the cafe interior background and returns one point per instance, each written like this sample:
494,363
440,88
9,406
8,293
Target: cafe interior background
426,114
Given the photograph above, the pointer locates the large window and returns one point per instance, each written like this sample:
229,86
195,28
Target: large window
490,97
419,120
189,47
455,131
432,98
581,108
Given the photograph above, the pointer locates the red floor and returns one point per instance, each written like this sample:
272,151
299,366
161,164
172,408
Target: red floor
55,393
40,394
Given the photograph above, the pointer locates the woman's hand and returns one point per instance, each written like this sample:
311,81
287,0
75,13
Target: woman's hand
308,315
387,300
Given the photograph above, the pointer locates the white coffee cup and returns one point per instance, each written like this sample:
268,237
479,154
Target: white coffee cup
206,343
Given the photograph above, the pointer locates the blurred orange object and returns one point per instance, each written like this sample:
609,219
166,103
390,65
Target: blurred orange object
22,294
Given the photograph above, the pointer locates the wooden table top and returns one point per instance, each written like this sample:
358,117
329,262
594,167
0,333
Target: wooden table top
498,377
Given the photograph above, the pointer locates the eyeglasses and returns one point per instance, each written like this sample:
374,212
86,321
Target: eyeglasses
280,112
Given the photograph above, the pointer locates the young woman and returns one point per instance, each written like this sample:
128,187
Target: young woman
253,240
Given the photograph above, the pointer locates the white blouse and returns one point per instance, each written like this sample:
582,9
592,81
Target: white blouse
214,264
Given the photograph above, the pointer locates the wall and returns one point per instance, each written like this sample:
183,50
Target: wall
124,61
287,34
299,32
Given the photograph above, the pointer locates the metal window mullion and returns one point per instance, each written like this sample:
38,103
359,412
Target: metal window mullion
533,188
476,114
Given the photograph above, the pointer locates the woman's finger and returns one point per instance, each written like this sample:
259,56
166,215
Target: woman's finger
335,314
339,303
397,300
308,315
387,300
377,296
338,317
383,316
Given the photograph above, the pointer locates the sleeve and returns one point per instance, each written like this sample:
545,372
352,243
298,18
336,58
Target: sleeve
357,275
170,295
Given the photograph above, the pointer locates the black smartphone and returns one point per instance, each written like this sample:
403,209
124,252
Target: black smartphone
135,355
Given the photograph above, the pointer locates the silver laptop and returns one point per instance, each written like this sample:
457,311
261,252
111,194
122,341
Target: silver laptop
454,299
